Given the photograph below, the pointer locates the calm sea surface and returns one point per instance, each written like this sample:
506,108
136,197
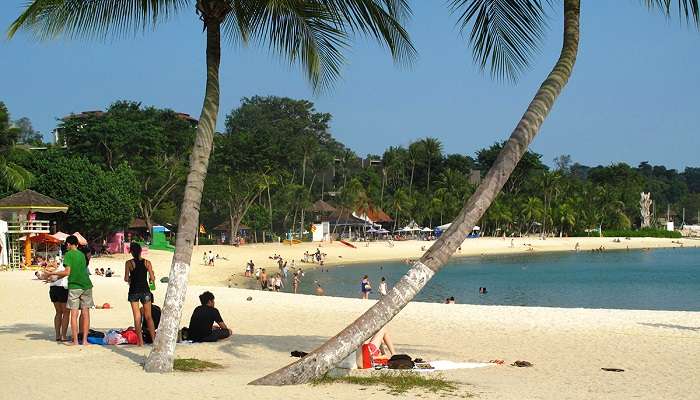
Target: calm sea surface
667,279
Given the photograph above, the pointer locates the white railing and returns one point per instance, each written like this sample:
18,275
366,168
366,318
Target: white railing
35,226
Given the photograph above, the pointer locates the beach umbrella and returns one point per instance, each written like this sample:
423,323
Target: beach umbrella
44,238
382,231
444,227
476,228
372,230
60,236
81,240
426,229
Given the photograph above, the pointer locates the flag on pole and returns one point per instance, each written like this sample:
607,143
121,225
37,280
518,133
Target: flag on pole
201,229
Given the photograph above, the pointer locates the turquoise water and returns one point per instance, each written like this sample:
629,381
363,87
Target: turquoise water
665,279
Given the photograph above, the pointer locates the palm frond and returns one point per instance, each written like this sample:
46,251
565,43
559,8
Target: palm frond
504,33
15,176
315,32
382,19
48,19
687,9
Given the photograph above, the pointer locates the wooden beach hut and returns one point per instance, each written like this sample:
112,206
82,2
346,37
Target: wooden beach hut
22,208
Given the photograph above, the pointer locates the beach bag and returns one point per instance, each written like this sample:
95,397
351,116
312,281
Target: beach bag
130,336
114,337
400,361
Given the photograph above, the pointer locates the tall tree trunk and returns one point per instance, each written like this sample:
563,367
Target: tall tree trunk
162,356
269,202
349,339
303,179
381,196
410,184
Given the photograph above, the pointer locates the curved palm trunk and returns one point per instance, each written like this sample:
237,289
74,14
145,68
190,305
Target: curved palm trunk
334,350
163,354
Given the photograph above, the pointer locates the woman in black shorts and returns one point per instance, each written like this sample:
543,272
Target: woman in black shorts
136,273
58,293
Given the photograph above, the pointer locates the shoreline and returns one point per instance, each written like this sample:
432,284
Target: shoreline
229,269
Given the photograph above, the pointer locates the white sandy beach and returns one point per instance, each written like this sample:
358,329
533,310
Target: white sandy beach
568,347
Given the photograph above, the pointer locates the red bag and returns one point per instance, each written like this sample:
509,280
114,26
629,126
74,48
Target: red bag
130,336
366,357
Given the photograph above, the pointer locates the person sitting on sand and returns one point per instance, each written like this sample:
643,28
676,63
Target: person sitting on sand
206,324
97,272
379,346
109,272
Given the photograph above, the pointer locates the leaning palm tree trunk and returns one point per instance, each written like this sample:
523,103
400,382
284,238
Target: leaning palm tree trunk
340,346
163,354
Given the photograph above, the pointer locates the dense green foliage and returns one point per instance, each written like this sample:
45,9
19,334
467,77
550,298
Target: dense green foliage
100,201
277,156
13,176
658,233
153,143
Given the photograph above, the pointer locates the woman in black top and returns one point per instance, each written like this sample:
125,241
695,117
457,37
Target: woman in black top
136,271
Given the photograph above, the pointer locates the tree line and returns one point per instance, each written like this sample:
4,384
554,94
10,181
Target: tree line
277,156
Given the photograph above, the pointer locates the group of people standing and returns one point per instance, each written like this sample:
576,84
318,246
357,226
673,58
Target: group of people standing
70,290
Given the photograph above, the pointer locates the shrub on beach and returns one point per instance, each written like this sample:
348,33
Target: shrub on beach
638,233
655,233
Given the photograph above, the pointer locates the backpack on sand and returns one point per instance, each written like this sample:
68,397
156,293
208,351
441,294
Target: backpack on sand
400,361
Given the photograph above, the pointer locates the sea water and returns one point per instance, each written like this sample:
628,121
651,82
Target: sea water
659,279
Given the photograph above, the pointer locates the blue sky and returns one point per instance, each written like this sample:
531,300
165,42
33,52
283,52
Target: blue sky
633,95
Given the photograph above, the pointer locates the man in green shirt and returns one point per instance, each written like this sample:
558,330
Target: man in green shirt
79,288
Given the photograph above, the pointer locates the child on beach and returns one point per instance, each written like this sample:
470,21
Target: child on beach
382,287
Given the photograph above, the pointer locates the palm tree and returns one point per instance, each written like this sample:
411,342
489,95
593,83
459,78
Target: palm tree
432,149
531,212
14,175
504,33
311,32
549,182
414,151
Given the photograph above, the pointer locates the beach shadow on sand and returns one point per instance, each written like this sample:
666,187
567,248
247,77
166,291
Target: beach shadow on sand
237,345
671,326
45,333
30,331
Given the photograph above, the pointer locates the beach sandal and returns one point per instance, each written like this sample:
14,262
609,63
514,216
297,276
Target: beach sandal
522,364
613,369
300,354
497,361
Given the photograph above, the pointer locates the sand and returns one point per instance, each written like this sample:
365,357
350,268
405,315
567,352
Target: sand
658,349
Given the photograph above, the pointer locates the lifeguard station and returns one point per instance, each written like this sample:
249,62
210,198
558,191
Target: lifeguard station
20,210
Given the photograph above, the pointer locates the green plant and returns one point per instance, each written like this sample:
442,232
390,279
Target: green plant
194,365
397,384
655,233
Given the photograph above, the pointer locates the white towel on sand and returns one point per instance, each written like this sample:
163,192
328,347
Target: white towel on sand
443,365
